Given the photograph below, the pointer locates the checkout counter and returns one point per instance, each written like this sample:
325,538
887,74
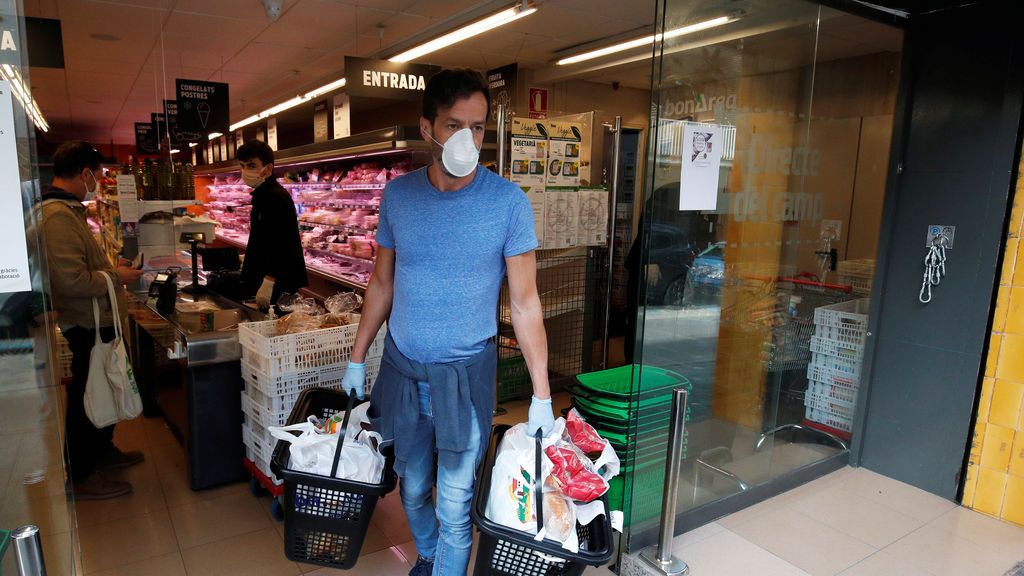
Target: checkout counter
186,360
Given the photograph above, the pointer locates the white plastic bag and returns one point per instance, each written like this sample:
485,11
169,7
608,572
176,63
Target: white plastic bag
313,452
512,500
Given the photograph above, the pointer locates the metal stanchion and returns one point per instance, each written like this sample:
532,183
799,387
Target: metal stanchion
660,556
28,551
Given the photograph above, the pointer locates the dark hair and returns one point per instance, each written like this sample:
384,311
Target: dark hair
72,157
253,149
447,86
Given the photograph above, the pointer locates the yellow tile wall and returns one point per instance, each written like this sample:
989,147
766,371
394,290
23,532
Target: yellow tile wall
994,483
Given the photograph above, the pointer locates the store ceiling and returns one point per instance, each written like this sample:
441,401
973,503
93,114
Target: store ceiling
122,56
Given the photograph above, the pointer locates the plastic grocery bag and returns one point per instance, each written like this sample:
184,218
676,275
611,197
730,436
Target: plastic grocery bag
512,499
313,452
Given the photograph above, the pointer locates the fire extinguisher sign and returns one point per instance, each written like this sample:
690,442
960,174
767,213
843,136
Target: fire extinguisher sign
538,102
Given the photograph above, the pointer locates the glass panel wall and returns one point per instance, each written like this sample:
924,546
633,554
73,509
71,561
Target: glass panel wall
770,140
32,358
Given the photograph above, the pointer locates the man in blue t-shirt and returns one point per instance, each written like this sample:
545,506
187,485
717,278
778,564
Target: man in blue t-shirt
448,234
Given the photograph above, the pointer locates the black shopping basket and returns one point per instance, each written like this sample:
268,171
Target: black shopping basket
326,518
504,551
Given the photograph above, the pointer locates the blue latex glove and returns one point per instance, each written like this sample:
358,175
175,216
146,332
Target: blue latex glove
541,417
355,379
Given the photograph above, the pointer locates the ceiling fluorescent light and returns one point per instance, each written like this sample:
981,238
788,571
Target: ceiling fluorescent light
246,122
191,144
282,106
330,87
214,135
646,40
175,151
468,31
339,83
24,96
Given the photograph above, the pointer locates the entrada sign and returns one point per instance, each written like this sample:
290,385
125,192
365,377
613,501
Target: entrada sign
382,79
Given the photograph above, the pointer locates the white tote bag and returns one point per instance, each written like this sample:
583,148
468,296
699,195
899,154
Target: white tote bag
111,394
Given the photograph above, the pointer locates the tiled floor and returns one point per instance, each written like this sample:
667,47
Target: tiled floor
852,522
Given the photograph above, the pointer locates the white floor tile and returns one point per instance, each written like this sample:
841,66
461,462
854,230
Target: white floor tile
806,543
727,554
942,553
882,563
982,530
865,520
901,497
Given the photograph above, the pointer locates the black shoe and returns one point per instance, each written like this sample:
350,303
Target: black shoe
116,459
423,567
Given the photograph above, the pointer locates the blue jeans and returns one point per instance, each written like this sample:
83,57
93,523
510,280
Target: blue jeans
450,543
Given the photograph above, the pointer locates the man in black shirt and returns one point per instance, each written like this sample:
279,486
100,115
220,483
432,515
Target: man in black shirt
273,263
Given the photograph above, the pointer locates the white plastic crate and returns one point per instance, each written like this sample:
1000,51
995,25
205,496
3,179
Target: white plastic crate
281,403
261,465
852,314
837,394
859,274
844,350
842,366
292,382
282,385
274,355
847,336
259,441
831,377
828,419
826,404
264,417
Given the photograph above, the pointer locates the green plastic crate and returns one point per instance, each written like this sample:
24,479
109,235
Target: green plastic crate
513,378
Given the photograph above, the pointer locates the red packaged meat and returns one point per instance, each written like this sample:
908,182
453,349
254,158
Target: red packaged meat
583,435
573,476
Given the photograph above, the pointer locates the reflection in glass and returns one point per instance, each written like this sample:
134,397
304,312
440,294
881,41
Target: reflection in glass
760,303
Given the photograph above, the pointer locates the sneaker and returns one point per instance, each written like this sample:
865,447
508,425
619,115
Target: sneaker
98,487
116,459
423,567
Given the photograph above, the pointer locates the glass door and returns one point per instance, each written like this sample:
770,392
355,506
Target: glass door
770,135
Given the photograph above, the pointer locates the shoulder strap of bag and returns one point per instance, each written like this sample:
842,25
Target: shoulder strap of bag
96,318
112,295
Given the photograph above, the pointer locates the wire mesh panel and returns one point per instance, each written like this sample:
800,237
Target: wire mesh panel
562,279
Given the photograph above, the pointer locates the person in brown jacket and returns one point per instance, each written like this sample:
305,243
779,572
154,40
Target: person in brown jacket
76,266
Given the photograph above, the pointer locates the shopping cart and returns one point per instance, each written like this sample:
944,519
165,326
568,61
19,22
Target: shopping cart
504,551
793,322
326,518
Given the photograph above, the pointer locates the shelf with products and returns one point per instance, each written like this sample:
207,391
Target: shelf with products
336,187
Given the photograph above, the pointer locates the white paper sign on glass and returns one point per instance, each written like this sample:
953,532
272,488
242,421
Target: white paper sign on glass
700,162
127,198
14,272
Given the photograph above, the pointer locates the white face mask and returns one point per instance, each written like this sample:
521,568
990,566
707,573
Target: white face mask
252,178
460,154
90,194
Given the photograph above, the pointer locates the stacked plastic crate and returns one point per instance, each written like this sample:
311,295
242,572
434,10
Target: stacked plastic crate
833,373
858,274
277,368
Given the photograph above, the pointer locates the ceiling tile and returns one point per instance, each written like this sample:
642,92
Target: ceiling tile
439,9
294,29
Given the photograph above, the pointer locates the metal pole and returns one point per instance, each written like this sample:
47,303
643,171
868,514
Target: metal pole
498,410
616,152
660,556
28,551
501,140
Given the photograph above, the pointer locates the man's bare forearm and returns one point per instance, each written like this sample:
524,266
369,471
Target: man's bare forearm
376,309
528,323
